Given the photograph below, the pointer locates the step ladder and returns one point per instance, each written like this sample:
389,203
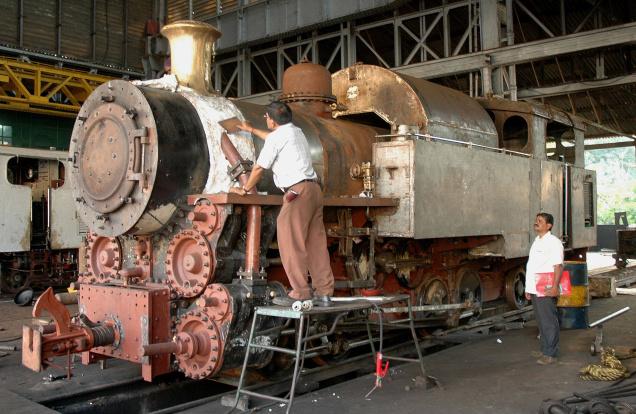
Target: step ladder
340,307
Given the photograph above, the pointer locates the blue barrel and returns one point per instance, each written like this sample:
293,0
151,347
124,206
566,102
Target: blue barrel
573,309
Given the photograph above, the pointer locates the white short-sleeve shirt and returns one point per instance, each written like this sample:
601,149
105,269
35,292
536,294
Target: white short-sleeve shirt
545,253
286,153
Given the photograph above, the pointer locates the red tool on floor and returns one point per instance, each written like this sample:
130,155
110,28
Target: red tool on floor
380,372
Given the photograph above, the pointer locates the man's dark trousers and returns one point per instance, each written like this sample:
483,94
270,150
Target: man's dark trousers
545,313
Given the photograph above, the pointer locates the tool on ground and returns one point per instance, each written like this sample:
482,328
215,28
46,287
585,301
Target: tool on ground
380,372
588,402
597,345
610,369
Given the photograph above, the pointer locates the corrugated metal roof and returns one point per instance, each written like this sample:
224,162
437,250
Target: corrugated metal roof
613,106
41,20
76,29
40,23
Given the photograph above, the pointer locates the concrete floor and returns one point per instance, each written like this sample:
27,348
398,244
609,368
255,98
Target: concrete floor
492,373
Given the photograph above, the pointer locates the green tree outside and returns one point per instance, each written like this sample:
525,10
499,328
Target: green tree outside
616,182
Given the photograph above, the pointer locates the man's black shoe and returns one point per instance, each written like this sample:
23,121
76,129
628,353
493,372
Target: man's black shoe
322,301
284,301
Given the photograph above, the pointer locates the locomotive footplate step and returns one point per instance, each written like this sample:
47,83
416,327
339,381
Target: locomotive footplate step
340,308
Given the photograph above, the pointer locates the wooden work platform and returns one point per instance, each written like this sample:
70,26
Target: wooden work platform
277,200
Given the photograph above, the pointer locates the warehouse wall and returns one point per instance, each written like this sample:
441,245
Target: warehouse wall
23,129
114,44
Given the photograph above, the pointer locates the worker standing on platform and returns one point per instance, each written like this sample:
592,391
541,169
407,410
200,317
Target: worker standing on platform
302,239
546,256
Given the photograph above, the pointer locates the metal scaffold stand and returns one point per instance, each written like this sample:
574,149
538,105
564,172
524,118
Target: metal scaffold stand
341,307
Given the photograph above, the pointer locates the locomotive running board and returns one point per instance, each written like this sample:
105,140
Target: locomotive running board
277,200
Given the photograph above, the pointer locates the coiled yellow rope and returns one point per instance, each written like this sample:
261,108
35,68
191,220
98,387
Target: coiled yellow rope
611,369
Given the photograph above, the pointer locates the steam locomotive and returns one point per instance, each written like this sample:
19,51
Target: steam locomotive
428,192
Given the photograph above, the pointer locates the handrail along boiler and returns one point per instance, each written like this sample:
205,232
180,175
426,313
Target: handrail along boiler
427,192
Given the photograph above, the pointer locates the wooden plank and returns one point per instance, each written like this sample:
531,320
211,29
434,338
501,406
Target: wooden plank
626,291
602,286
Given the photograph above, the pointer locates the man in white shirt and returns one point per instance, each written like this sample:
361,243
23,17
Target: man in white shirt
546,256
301,235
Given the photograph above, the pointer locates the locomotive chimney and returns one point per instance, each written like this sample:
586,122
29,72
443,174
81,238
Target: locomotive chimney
191,53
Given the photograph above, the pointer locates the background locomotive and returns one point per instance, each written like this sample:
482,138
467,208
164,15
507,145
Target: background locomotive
428,192
41,231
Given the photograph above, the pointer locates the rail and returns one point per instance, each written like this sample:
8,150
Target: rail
468,144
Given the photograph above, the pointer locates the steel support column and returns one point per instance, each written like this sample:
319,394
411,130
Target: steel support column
489,24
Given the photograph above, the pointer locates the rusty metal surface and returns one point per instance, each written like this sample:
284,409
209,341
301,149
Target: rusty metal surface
515,281
108,154
142,314
104,258
275,200
307,82
38,347
204,218
335,145
253,232
190,263
403,100
442,211
537,109
217,302
200,351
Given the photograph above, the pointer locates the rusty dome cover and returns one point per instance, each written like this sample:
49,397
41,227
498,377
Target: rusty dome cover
307,81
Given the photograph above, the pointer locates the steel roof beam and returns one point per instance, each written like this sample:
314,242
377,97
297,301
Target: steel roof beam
575,87
523,52
50,58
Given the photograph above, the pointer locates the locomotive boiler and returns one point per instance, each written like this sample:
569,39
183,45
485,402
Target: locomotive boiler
427,192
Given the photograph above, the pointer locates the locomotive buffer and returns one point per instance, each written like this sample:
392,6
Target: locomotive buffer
341,307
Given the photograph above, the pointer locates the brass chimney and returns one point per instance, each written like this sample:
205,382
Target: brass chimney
191,53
